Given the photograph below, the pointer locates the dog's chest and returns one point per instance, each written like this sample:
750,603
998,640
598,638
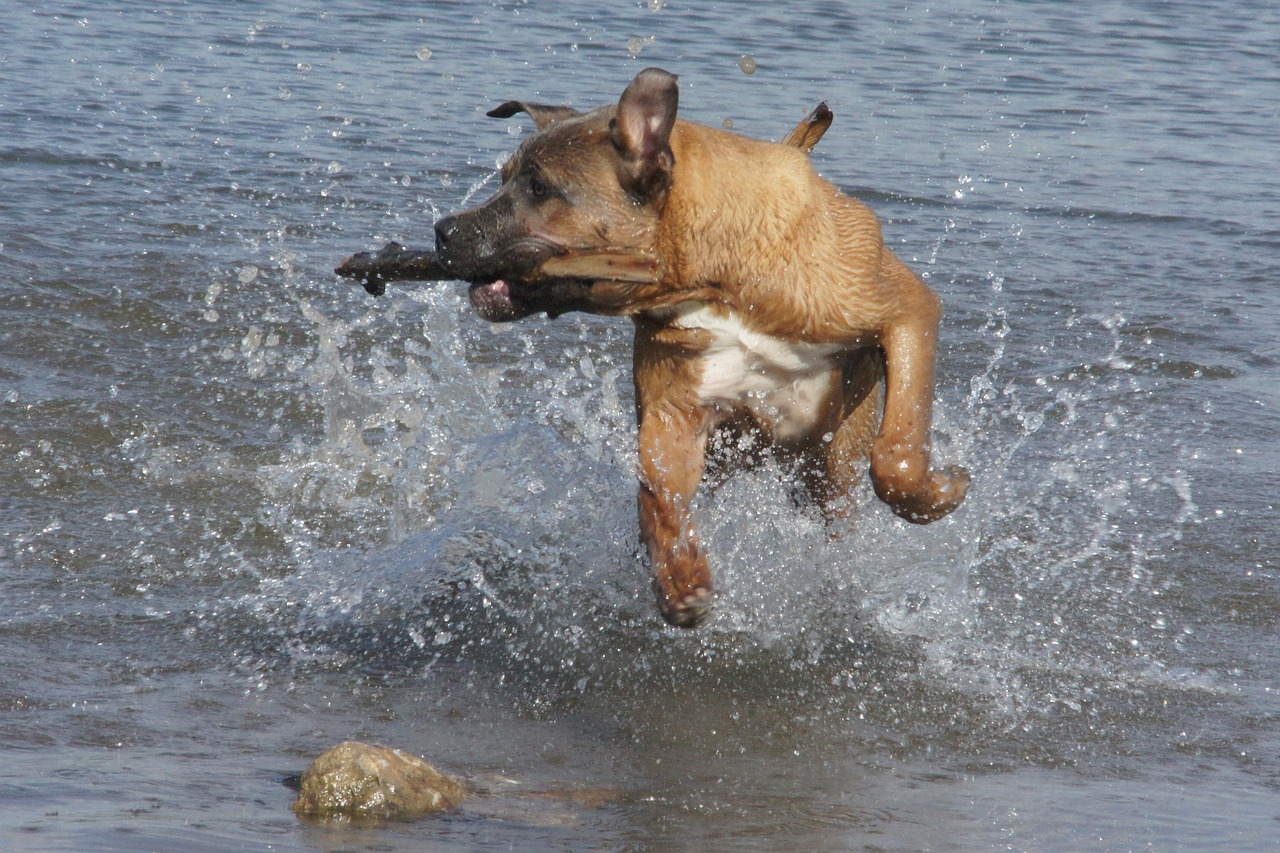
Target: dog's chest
786,385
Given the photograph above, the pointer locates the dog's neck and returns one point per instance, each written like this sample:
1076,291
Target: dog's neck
743,203
741,223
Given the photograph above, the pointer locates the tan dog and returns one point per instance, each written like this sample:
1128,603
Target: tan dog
765,302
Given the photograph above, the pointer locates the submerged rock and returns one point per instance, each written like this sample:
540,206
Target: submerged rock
365,780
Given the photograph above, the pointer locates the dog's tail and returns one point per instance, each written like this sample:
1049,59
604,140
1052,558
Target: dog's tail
807,133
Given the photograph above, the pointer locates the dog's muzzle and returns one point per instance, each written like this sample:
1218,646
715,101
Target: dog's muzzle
456,250
447,230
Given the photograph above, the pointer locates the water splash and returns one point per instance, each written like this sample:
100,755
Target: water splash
467,499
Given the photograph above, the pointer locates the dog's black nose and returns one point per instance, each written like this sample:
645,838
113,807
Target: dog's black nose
445,230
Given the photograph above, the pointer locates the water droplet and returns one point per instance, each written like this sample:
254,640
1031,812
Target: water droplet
424,53
634,46
248,274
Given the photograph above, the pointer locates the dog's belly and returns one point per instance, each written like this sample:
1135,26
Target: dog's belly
786,385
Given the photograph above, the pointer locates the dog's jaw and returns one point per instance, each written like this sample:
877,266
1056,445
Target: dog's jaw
493,302
502,300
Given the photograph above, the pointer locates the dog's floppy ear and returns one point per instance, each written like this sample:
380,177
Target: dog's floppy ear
543,115
642,132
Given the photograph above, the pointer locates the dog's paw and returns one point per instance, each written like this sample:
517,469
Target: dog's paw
945,490
902,478
687,611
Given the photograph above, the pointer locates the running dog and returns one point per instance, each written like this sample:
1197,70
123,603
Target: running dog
764,299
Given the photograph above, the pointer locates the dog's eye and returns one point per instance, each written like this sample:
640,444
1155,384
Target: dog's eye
538,186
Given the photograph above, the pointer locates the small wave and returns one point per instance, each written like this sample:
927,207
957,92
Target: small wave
1217,226
47,157
1157,367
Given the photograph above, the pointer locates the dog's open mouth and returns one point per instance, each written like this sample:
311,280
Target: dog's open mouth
498,300
493,297
561,283
506,299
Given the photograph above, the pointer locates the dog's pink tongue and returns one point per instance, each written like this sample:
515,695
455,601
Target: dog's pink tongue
496,290
492,300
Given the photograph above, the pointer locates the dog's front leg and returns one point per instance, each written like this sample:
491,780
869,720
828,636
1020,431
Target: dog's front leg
674,429
673,445
900,466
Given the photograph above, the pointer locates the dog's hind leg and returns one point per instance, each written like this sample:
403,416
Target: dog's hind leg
844,456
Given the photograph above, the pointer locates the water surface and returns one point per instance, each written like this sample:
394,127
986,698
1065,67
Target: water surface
247,512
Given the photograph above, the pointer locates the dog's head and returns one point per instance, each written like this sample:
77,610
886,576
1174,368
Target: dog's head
578,208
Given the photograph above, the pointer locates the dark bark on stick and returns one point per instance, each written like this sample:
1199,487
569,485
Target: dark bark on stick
392,262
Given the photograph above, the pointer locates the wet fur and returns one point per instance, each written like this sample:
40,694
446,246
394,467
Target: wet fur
773,307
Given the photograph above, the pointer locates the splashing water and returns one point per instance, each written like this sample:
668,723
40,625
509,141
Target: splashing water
469,501
250,513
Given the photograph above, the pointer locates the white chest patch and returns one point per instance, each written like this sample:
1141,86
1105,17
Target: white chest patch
784,384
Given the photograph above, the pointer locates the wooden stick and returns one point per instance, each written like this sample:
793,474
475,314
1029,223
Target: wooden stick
392,262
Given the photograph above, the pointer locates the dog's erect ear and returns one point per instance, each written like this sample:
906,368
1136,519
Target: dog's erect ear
642,132
543,115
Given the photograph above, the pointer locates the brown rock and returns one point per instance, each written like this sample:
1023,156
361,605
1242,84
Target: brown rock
365,780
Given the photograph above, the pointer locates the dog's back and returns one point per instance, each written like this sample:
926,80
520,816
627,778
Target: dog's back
798,258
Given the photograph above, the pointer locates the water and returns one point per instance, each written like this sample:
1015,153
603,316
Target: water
247,512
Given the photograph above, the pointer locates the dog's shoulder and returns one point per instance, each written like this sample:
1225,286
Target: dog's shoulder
713,151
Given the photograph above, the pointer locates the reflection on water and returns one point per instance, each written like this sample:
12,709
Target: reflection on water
248,512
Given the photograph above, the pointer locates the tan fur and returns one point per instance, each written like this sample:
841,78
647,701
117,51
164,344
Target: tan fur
766,279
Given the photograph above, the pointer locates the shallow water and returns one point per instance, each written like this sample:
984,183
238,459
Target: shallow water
248,512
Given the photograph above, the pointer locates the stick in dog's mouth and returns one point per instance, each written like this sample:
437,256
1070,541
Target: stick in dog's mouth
393,262
629,266
561,281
